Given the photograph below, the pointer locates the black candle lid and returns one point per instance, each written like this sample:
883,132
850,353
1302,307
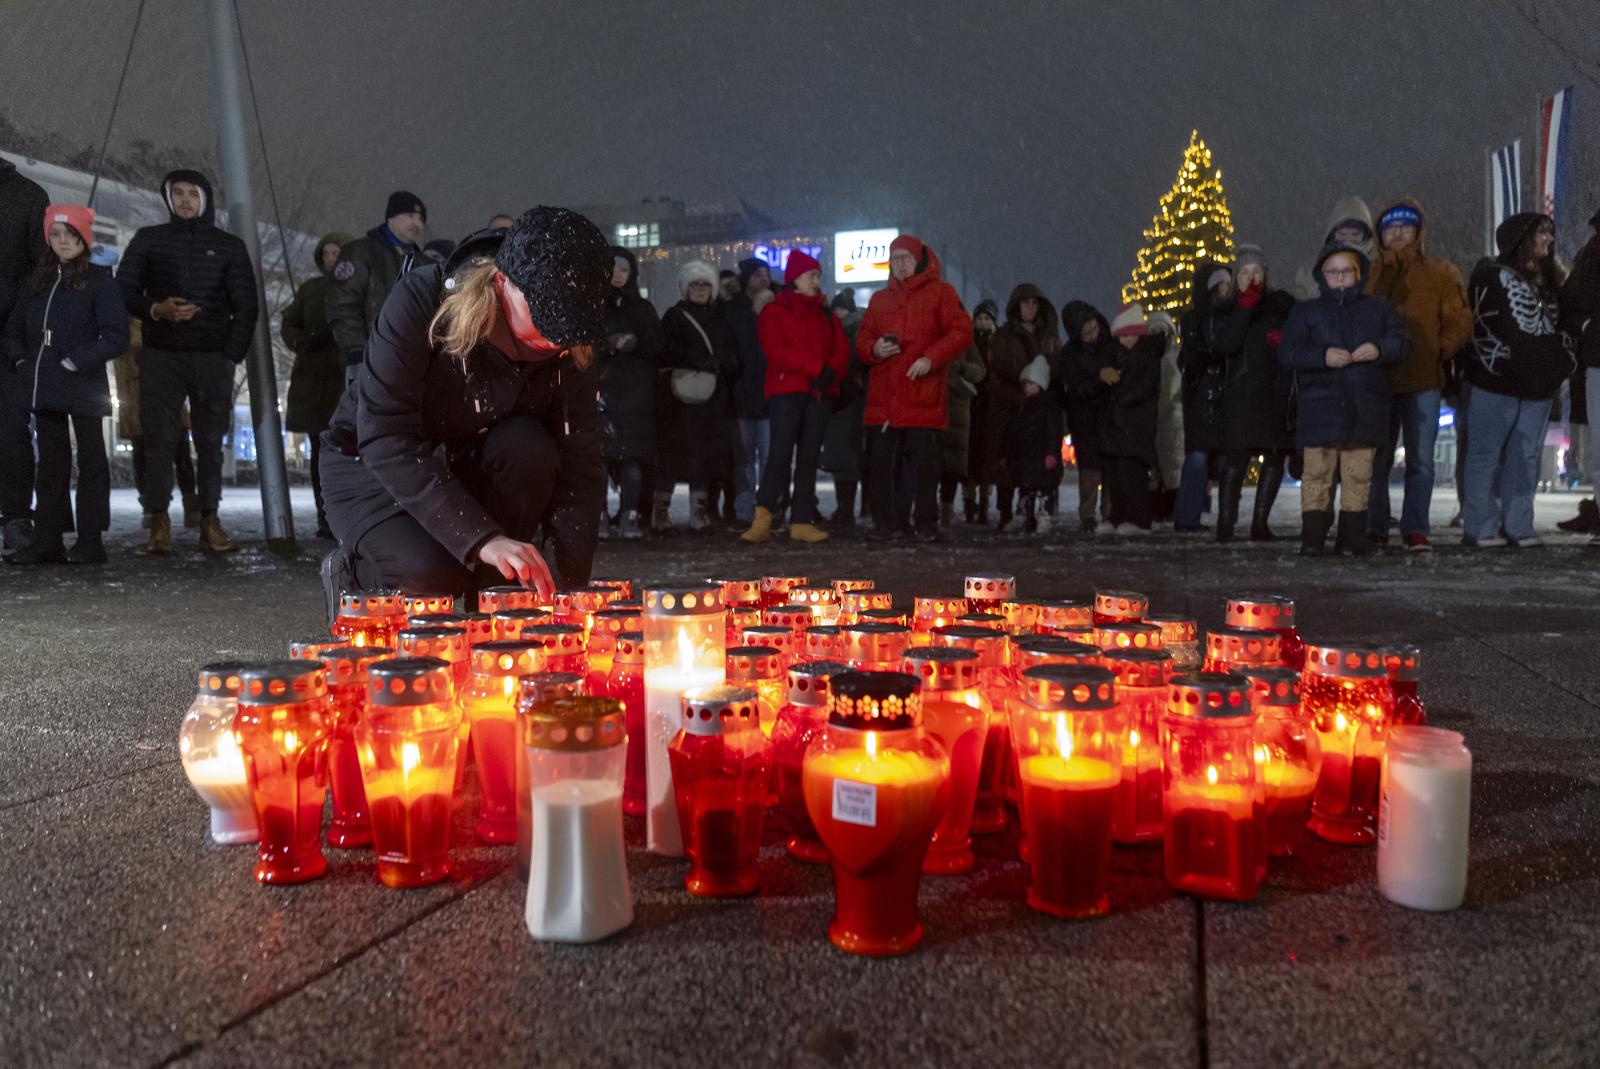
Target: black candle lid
1209,696
1069,688
875,701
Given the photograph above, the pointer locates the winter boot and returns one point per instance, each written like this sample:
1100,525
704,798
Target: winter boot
1266,495
212,535
1314,532
844,510
1230,484
18,533
1587,521
630,527
1352,538
699,512
88,549
805,532
45,548
947,514
605,524
661,512
338,575
1030,518
760,528
160,540
977,511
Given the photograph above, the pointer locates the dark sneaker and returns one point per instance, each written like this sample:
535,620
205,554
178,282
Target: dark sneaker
88,549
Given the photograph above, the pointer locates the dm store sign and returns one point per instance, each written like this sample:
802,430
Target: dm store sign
861,256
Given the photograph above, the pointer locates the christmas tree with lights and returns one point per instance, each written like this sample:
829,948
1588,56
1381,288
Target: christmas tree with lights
1191,223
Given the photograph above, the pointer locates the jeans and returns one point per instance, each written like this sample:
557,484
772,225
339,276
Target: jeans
166,379
1191,489
903,486
798,423
630,477
1502,468
1414,418
755,440
1591,390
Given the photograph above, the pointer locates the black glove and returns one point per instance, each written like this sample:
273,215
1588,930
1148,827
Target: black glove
824,382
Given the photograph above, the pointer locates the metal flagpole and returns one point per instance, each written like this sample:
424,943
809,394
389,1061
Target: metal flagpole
271,467
1488,202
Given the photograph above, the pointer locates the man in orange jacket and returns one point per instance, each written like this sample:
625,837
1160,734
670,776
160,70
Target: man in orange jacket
912,330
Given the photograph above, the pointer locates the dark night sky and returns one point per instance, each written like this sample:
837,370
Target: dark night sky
1024,139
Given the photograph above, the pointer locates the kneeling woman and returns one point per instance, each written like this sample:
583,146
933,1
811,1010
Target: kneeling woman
471,428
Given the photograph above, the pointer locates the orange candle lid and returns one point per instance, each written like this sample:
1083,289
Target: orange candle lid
429,603
1209,696
927,608
1128,635
349,665
220,679
722,710
1139,668
543,686
885,615
507,657
614,621
845,586
857,602
990,646
993,621
574,724
739,591
630,648
1020,615
782,638
991,586
695,600
809,681
794,617
572,602
1354,661
874,701
1080,688
1174,628
813,595
1244,645
1269,611
625,586
824,640
445,643
1030,651
480,627
404,681
309,649
1271,685
437,619
495,598
1054,615
942,667
282,683
1121,604
510,623
372,603
748,664
742,616
876,643
774,584
558,640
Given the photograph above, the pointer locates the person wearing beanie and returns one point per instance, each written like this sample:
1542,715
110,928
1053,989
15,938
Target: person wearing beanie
472,429
749,388
727,284
1033,441
701,360
1580,314
632,401
368,269
1349,223
1337,347
66,326
1132,378
1520,355
807,359
913,329
1030,331
317,379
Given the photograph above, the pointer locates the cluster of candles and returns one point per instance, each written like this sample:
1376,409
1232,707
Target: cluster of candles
887,739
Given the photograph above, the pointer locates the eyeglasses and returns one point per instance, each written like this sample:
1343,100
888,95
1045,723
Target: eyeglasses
1338,272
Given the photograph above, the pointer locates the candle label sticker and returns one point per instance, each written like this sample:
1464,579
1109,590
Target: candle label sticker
855,803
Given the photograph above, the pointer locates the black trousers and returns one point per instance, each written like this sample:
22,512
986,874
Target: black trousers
54,483
183,469
903,477
316,478
799,422
16,446
1127,482
632,477
166,380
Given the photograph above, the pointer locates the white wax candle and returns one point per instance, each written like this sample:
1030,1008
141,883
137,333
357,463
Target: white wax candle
578,877
663,712
220,782
1423,811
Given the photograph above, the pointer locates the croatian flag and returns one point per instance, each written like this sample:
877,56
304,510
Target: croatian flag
1505,184
1554,118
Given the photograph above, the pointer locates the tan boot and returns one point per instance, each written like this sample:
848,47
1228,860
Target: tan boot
159,542
761,527
214,538
805,532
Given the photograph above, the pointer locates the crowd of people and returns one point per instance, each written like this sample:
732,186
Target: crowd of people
750,385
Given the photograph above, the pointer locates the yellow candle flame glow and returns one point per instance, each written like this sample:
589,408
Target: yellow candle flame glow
1211,773
1063,737
410,757
872,744
685,650
1339,722
291,742
1133,737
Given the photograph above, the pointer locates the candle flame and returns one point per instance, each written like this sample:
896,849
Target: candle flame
685,650
1063,736
1211,773
1261,755
291,742
1339,722
872,744
973,700
410,757
1133,737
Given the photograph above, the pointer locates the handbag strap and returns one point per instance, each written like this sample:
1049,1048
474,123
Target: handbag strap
711,350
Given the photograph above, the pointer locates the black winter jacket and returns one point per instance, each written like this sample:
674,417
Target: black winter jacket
1076,380
87,327
1257,394
22,244
1203,365
750,387
699,435
628,378
196,260
367,270
1580,303
1518,346
1128,420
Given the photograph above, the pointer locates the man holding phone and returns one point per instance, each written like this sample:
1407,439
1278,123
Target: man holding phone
192,286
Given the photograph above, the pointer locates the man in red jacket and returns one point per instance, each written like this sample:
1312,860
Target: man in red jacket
912,330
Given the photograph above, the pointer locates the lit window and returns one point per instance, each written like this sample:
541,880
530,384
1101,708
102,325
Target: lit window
638,235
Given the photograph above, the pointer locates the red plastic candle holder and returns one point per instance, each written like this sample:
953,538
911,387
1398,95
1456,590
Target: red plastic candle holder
721,771
283,731
625,684
451,646
1228,648
1345,693
608,624
1288,751
954,713
489,704
775,588
369,617
563,645
407,742
532,690
994,687
1269,612
1142,679
347,668
1111,606
1405,672
800,721
760,669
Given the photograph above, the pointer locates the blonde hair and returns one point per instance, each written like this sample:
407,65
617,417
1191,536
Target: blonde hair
470,311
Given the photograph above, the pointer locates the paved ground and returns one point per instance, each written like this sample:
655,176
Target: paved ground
127,939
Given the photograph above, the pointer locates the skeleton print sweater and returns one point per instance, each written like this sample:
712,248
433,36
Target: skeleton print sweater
1518,348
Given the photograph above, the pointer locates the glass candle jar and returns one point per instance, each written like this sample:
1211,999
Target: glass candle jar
852,603
801,720
1055,615
1128,635
508,624
742,618
953,713
929,613
794,617
602,647
722,773
407,743
369,617
1228,648
1287,751
420,604
825,642
823,601
310,649
1112,606
492,599
1423,818
1030,651
1068,741
563,646
347,668
1142,678
1180,638
1269,612
775,588
450,646
1404,663
576,608
1022,617
625,683
578,873
739,593
685,648
531,690
990,587
876,786
211,756
489,704
282,728
760,669
993,688
1214,841
1345,693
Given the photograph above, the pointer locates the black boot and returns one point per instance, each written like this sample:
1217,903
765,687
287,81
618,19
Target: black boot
1230,484
1353,535
844,511
1266,494
1314,532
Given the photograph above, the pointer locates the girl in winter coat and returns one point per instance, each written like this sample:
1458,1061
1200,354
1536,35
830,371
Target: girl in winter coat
1128,420
68,325
1082,393
628,366
1029,331
702,360
1034,440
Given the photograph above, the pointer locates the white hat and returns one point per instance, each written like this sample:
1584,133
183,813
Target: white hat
1037,372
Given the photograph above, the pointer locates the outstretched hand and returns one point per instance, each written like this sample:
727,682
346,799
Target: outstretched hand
519,561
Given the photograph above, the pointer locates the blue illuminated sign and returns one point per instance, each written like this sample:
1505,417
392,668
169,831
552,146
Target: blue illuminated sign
777,256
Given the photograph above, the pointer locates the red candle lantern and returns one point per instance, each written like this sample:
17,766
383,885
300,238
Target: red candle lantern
1228,648
741,618
1055,615
953,713
1287,751
1214,841
369,617
450,646
841,587
625,683
990,587
421,604
407,742
795,617
1022,617
737,593
479,627
490,707
311,649
1069,749
577,607
989,621
721,771
283,730
876,786
1180,637
929,613
775,588
760,669
875,647
776,636
622,588
1111,606
800,721
1345,693
346,672
852,603
492,599
993,688
824,642
1405,672
1142,680
886,615
563,646
1128,635
508,624
1269,612
602,648
823,601
211,756
532,691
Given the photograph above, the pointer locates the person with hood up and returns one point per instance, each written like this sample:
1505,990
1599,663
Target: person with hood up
191,286
913,329
471,428
1427,292
1204,375
843,447
701,359
1169,419
1337,346
1580,312
1128,419
1082,393
66,326
317,379
629,362
749,388
22,205
1350,223
986,462
1033,439
1256,395
368,269
1520,357
807,359
1030,330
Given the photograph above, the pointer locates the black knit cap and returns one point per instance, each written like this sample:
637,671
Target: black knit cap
1515,230
562,264
401,202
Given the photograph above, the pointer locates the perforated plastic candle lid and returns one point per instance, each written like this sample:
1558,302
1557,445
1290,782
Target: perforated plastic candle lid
437,619
1404,663
405,681
809,681
721,710
446,643
697,600
989,645
220,679
942,667
1058,614
927,607
1139,668
751,663
790,616
372,603
1121,604
507,657
282,683
1174,628
738,591
874,701
845,586
542,686
991,586
574,724
1272,685
1245,645
1069,687
860,601
1129,635
1209,695
630,648
615,621
1353,661
1270,611
429,603
349,665
990,621
876,643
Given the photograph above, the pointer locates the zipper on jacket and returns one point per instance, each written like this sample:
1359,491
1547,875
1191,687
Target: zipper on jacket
44,335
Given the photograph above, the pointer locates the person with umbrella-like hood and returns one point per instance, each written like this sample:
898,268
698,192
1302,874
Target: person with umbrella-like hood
317,379
471,429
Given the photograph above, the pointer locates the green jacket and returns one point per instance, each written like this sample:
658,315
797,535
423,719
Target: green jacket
317,379
367,269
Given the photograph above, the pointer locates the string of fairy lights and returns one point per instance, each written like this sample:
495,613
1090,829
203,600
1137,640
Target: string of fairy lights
1192,222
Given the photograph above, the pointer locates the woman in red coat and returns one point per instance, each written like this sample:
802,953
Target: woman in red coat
912,330
807,358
